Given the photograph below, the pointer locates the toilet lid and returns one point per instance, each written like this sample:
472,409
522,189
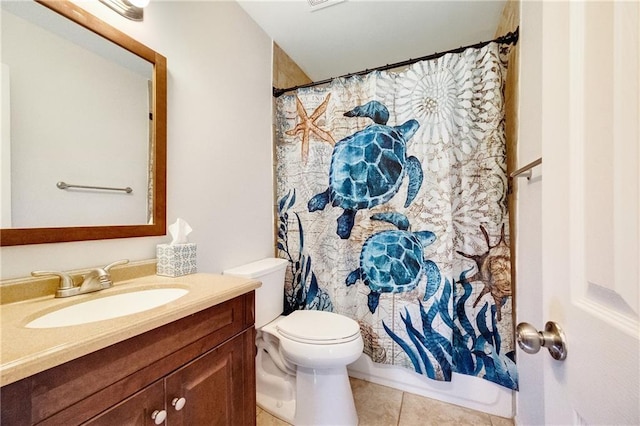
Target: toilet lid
318,327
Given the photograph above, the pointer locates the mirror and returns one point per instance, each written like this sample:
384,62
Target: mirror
112,136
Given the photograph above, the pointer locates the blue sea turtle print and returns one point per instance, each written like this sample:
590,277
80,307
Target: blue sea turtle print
368,167
393,261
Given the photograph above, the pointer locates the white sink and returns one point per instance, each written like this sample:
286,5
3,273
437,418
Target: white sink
108,307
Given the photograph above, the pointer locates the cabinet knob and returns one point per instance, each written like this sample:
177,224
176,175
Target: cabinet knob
178,403
159,416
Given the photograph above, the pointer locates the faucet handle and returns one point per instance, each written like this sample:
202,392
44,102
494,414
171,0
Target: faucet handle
66,281
116,263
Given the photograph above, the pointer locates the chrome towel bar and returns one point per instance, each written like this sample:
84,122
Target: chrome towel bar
525,171
64,185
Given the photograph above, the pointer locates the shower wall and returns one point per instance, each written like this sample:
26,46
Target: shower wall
510,20
286,73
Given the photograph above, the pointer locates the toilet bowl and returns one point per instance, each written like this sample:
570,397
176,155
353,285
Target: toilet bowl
302,358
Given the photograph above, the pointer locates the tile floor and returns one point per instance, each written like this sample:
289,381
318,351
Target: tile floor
383,406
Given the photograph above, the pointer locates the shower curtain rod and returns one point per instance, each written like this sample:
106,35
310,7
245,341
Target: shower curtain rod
509,38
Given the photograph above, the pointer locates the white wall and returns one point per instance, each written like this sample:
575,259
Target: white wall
5,147
530,398
219,140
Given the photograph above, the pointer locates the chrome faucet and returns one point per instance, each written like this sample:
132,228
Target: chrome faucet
97,279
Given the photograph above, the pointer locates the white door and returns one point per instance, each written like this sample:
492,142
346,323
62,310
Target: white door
584,93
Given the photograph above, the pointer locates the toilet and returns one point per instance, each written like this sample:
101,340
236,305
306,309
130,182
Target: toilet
302,358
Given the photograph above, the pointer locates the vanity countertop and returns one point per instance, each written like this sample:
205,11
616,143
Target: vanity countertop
27,351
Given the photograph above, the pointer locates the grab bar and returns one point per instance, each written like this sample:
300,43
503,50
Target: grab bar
64,185
525,171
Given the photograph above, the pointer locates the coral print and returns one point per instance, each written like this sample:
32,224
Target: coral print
402,223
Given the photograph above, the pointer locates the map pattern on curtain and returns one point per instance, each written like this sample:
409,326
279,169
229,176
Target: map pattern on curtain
392,210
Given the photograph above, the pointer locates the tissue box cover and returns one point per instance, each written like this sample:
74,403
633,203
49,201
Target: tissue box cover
176,260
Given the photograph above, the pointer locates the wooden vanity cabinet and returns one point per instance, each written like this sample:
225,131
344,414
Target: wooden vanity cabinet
206,358
207,383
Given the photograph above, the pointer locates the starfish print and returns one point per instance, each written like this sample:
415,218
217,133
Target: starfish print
307,125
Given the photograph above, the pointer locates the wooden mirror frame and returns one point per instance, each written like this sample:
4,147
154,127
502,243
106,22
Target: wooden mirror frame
23,236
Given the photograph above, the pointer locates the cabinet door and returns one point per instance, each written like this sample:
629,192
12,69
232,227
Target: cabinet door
136,410
215,387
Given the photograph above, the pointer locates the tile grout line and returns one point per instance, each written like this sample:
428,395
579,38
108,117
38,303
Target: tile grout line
400,410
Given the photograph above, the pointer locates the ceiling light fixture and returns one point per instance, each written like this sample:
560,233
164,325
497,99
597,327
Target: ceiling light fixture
321,4
131,9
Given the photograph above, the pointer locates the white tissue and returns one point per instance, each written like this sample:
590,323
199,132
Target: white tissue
179,231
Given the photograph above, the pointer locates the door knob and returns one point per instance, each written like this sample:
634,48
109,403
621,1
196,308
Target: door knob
531,340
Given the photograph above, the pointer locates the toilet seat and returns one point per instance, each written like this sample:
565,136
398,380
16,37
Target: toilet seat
318,328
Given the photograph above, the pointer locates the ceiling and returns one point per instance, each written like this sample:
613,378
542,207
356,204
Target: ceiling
355,35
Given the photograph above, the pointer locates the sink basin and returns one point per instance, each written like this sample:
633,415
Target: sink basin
108,307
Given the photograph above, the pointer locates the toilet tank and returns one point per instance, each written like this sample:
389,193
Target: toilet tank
269,297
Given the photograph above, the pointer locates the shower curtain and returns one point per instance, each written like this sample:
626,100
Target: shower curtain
392,210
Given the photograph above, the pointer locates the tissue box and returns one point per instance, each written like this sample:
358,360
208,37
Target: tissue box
176,260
